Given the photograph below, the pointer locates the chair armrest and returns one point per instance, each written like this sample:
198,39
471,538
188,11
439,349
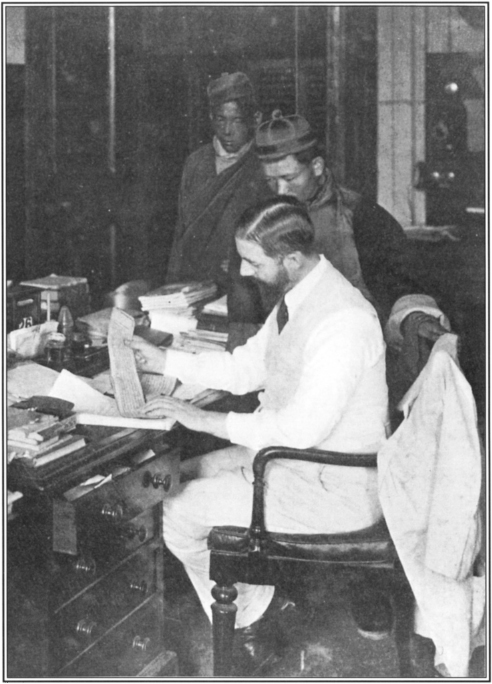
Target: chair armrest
263,457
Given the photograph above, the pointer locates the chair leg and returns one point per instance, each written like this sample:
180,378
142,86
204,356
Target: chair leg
224,617
404,611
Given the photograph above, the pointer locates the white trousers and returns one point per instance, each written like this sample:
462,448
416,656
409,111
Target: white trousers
222,494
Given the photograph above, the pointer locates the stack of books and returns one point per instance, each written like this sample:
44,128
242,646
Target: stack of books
172,308
213,316
39,438
178,295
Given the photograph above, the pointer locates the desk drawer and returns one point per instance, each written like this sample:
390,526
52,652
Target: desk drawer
100,550
110,541
104,512
128,495
134,648
82,621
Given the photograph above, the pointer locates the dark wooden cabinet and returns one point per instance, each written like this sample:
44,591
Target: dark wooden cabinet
90,563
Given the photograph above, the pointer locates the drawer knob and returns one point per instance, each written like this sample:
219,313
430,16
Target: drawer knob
130,532
157,481
85,566
112,513
140,587
141,643
86,628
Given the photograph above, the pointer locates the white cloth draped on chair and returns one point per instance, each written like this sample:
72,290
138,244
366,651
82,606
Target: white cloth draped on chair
429,479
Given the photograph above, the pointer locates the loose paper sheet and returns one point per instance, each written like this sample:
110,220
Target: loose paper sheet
29,379
85,399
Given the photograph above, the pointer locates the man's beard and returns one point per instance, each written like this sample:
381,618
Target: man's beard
272,292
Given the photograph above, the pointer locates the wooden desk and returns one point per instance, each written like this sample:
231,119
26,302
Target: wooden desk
87,573
92,568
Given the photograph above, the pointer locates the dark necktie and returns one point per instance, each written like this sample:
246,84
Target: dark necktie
282,315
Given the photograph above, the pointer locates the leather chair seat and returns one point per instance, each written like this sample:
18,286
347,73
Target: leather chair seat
371,545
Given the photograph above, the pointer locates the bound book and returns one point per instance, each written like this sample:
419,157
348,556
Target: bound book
66,446
43,431
31,445
20,418
214,323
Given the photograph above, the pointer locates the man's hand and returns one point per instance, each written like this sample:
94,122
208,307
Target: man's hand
188,415
149,358
168,407
428,326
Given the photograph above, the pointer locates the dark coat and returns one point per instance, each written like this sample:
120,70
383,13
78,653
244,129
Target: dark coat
209,207
381,246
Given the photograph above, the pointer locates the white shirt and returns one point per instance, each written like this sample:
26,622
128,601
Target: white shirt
336,357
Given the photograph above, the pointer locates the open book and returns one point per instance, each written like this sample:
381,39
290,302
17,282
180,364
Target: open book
95,408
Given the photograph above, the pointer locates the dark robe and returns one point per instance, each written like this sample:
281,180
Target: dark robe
209,207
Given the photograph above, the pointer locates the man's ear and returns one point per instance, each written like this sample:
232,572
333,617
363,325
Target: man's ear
318,166
258,118
293,261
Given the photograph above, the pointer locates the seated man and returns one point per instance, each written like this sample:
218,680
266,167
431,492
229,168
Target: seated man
360,238
319,362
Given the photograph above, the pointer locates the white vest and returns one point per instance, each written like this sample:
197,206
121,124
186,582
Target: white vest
362,427
332,295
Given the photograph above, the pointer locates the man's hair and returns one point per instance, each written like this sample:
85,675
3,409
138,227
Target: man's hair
247,106
280,225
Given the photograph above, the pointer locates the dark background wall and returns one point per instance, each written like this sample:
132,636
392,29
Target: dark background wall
114,222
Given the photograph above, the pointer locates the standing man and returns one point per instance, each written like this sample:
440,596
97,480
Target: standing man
319,362
360,238
220,180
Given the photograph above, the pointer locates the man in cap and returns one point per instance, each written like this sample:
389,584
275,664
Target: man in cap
360,238
220,180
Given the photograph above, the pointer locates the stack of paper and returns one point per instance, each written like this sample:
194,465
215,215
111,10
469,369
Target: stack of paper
172,307
196,341
173,321
178,295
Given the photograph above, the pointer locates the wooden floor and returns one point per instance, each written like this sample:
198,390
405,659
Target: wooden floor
322,637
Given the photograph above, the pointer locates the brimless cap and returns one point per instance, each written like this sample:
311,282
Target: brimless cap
283,135
230,87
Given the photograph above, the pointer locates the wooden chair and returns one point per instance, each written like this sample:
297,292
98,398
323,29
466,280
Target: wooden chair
255,556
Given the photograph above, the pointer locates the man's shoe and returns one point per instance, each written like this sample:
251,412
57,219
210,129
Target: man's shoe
261,643
374,616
